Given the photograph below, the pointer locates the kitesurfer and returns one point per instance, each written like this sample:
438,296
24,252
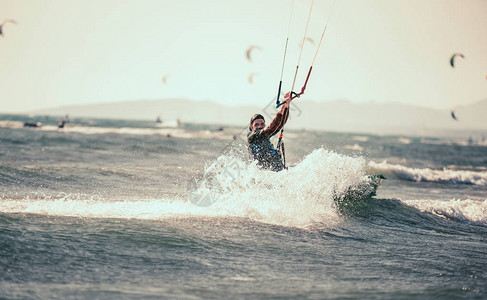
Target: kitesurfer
260,146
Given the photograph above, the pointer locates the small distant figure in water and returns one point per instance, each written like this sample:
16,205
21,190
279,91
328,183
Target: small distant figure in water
453,115
33,124
158,120
220,129
61,124
5,22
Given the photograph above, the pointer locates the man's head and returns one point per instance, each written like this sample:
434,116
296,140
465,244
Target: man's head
257,122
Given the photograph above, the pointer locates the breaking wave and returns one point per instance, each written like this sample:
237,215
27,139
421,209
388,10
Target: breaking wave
460,210
231,187
430,175
171,130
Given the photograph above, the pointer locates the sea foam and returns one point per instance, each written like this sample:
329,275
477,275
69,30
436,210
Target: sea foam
231,187
462,210
300,196
170,130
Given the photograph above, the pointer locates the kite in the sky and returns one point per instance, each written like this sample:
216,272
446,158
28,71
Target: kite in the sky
452,58
5,22
251,77
164,79
308,39
249,51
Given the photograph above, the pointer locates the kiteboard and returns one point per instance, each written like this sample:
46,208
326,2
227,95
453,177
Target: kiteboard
368,188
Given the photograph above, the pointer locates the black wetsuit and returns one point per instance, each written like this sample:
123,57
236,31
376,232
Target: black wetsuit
260,146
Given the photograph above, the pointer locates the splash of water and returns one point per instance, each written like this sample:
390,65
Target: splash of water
299,197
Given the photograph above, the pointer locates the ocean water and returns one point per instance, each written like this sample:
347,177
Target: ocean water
110,209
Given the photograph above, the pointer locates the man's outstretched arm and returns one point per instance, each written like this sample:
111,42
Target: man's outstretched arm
280,119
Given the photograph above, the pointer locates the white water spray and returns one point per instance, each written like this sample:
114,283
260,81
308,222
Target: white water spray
299,197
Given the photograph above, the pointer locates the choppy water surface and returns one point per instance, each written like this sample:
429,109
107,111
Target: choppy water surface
126,209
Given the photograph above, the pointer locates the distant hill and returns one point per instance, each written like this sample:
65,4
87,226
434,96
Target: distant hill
338,115
391,117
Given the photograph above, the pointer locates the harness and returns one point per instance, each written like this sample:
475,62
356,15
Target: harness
266,155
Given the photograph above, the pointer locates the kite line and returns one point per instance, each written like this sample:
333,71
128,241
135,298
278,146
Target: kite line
284,58
294,95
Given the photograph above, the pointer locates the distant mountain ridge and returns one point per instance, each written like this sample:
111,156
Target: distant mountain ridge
337,115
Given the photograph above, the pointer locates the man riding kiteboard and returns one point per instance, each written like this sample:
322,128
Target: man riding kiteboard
260,146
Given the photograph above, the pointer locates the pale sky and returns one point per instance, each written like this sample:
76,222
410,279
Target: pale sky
92,51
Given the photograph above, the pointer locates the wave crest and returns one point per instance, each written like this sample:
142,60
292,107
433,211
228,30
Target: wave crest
461,210
430,175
